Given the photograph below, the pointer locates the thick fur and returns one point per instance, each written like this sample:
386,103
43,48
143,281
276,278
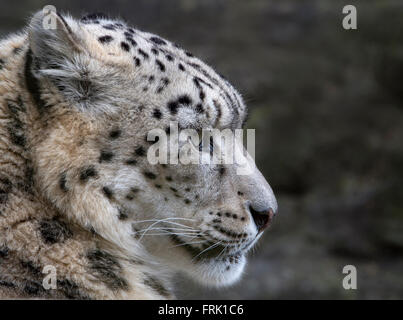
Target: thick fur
76,189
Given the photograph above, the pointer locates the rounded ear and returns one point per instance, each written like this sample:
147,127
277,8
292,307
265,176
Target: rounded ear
55,43
52,38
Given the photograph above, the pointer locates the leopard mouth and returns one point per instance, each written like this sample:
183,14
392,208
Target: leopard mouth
210,250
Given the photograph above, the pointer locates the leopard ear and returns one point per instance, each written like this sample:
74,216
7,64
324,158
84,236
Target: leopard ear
52,38
58,48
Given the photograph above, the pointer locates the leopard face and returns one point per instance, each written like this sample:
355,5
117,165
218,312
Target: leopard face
102,87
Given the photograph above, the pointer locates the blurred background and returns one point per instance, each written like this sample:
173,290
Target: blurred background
327,106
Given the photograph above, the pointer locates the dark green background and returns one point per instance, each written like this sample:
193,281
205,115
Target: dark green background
327,106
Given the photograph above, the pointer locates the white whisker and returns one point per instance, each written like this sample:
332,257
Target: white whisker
209,248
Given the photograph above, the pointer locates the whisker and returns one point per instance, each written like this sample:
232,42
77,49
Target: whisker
165,234
166,219
167,229
163,220
222,251
187,243
209,248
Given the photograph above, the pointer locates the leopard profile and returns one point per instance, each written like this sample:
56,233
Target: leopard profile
77,192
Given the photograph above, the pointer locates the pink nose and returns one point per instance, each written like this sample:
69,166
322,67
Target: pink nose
262,219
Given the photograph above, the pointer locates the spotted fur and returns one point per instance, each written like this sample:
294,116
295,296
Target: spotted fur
76,189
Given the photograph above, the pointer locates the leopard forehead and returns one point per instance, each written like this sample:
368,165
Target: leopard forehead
164,78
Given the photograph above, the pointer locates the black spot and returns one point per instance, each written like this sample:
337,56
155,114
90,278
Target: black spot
140,151
173,189
227,214
30,267
187,201
125,46
158,186
165,81
221,170
155,51
131,162
94,16
4,251
134,190
169,57
202,95
132,41
109,27
161,66
70,290
17,50
107,192
164,84
1,64
181,67
199,108
185,99
105,156
137,61
54,230
106,269
88,172
144,54
150,175
151,79
187,189
119,25
33,288
169,178
32,83
7,284
122,214
105,39
189,54
168,130
158,40
157,113
15,126
156,285
173,107
63,182
29,179
218,107
5,188
114,134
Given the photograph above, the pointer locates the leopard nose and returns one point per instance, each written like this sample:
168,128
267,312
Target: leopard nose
262,218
